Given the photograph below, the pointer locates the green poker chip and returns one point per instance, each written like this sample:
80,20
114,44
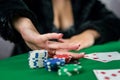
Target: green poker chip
69,69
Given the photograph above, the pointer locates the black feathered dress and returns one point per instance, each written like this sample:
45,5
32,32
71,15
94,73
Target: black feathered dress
88,14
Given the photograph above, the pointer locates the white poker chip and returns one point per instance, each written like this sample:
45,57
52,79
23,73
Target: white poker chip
37,57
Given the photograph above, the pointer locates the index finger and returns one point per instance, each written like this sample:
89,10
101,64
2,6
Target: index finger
59,45
53,36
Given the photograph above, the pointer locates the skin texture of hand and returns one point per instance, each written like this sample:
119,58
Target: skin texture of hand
85,39
36,41
74,55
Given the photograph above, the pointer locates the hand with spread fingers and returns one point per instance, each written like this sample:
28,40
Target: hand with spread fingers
63,51
36,41
85,39
74,55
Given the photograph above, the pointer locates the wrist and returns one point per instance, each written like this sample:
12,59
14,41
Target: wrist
93,33
21,24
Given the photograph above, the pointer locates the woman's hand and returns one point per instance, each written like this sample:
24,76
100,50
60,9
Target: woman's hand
74,55
85,39
35,40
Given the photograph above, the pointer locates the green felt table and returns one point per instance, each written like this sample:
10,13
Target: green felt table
17,68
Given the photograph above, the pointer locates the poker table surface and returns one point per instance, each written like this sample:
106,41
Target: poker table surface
17,68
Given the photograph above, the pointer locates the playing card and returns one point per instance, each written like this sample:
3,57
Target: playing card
104,56
113,74
95,56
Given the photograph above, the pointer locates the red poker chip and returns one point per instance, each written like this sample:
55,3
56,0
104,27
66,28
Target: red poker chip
63,56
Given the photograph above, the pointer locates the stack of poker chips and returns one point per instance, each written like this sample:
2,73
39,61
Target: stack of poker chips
53,64
63,56
69,70
62,63
37,57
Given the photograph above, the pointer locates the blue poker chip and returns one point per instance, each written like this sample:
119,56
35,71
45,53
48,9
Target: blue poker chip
53,61
53,64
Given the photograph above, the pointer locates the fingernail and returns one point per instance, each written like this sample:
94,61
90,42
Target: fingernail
77,48
78,45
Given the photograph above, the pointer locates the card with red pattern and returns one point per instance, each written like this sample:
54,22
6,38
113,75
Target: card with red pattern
113,74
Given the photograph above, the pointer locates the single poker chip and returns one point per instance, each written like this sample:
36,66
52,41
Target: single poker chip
63,56
69,69
53,64
41,54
